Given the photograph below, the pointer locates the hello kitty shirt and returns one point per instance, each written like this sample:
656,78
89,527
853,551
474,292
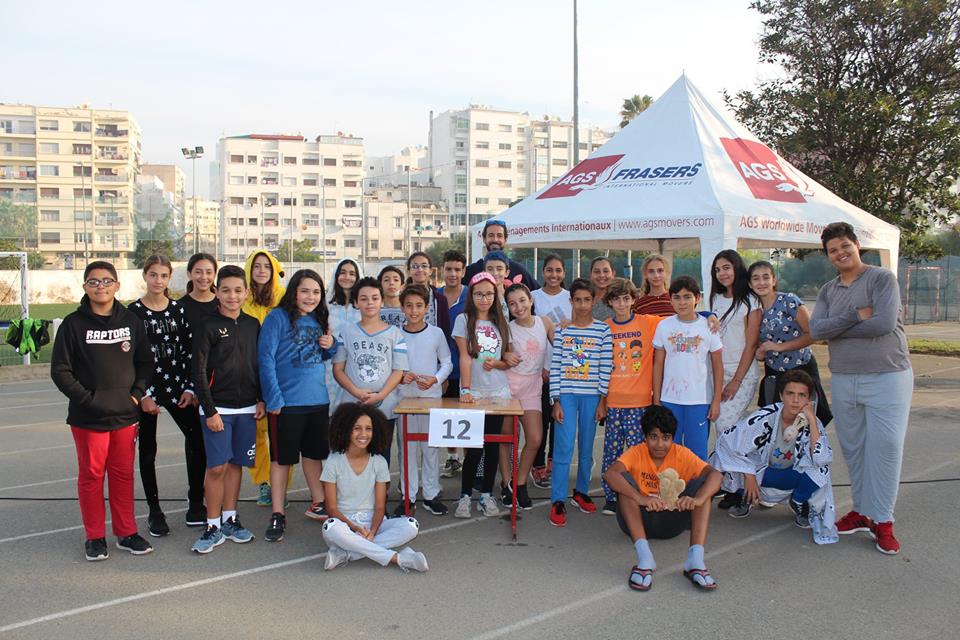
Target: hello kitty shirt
483,383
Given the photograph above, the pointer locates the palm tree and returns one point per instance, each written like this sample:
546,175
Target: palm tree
632,107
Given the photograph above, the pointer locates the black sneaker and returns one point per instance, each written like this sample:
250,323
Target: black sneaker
729,499
610,508
399,512
196,515
436,507
96,549
278,522
506,496
523,500
157,524
801,513
135,544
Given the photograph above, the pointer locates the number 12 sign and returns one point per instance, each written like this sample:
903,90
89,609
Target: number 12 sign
456,428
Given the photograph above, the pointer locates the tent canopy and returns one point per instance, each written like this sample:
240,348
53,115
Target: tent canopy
686,175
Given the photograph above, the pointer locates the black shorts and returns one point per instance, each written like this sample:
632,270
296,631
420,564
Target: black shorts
292,434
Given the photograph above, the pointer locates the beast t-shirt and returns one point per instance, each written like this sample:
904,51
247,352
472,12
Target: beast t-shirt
371,358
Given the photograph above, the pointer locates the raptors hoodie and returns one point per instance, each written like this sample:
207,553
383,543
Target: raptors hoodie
99,362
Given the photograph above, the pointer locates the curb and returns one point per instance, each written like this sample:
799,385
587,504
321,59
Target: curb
21,372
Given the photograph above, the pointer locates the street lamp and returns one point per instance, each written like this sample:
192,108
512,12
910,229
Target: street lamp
192,155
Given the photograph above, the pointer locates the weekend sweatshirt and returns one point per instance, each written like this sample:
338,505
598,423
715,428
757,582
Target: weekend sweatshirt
292,369
225,363
98,362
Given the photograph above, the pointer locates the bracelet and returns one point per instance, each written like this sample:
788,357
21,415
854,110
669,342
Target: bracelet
465,391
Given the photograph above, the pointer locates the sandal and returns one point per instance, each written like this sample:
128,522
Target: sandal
704,574
644,574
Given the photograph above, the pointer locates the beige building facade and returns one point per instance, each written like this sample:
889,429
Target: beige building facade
77,169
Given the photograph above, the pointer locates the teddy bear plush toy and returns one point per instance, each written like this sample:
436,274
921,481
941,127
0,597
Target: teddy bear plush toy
671,486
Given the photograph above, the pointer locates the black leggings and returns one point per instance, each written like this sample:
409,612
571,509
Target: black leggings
548,428
188,419
491,458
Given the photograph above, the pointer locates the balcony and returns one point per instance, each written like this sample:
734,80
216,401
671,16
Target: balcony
10,174
269,162
105,132
311,162
17,129
268,181
113,201
112,155
110,177
25,197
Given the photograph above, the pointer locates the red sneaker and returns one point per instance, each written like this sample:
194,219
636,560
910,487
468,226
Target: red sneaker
558,514
583,502
854,522
886,543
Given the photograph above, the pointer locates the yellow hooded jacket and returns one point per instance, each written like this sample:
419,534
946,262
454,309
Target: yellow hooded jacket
249,306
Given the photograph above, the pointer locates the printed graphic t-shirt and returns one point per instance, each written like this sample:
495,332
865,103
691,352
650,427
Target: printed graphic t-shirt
641,466
686,366
484,384
631,380
371,358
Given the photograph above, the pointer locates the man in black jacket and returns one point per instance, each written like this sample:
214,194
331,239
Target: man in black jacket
227,383
102,362
495,239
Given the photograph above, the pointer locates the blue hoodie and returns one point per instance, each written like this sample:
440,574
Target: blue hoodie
292,370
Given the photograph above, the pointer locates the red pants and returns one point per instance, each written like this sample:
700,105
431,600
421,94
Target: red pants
108,453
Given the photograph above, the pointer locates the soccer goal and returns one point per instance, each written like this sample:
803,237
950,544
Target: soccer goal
14,300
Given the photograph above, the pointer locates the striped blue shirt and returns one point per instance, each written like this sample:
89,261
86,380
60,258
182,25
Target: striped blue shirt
582,360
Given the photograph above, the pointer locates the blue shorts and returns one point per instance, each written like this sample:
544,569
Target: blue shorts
236,444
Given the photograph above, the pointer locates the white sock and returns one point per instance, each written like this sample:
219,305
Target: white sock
644,555
228,515
213,522
695,558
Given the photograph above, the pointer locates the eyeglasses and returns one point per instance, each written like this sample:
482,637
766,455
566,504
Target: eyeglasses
419,267
96,283
484,296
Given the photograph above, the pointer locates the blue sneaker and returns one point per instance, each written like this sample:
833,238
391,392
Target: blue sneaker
212,537
235,531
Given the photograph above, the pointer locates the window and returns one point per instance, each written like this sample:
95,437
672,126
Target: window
251,201
521,130
49,193
351,163
236,179
252,222
461,164
80,170
460,145
350,183
463,123
331,242
350,243
559,162
483,126
583,145
504,183
311,219
251,159
481,200
82,193
398,245
289,181
81,127
521,166
481,163
49,215
236,200
375,245
289,222
49,237
310,201
504,128
504,202
460,180
81,238
83,215
459,198
49,147
329,182
49,125
236,158
482,145
329,162
482,182
289,202
310,182
289,159
398,223
505,146
504,164
559,144
82,149
311,159
330,202
49,170
540,143
350,204
373,222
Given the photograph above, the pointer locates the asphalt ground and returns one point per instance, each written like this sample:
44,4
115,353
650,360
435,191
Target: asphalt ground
555,583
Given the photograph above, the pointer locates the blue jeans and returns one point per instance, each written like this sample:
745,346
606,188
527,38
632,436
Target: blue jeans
579,423
693,429
789,480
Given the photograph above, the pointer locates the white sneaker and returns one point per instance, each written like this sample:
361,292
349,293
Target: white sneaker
463,507
488,506
336,557
409,559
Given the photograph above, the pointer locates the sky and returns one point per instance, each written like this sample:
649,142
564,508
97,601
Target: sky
192,72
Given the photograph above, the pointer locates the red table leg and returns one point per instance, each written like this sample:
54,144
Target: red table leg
406,474
516,462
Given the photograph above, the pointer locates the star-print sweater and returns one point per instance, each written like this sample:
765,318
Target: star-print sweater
169,334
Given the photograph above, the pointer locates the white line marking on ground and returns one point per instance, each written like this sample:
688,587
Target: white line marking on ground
31,406
33,424
21,393
74,478
69,446
199,583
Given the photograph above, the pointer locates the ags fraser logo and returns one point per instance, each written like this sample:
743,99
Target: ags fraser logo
762,171
589,174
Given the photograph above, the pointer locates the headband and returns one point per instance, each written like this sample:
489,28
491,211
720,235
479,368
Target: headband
480,277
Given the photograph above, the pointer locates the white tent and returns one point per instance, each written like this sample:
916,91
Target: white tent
686,175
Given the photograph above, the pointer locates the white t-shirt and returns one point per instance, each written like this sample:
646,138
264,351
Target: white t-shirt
484,384
355,492
556,307
686,365
733,332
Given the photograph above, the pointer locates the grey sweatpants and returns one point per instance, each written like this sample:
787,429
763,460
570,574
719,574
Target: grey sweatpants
870,414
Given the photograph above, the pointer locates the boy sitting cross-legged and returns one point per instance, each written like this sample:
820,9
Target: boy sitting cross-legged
644,506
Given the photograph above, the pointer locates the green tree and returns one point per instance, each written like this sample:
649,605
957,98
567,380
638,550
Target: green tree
867,103
456,241
18,222
147,248
303,251
34,258
632,107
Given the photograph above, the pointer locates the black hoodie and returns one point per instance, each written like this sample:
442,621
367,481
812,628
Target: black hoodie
98,362
225,370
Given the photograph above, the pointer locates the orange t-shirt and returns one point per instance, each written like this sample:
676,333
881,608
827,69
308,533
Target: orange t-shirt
640,465
631,378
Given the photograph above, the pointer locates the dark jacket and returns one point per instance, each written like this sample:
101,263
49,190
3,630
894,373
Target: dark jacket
225,370
98,362
515,269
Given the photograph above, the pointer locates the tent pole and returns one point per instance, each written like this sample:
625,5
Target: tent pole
629,273
536,261
576,263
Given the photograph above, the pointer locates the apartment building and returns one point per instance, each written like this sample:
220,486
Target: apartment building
172,177
77,168
394,230
274,188
157,206
483,159
409,164
206,214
